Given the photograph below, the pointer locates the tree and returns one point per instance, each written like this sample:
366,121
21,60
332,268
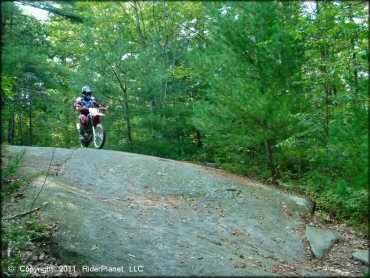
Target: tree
252,60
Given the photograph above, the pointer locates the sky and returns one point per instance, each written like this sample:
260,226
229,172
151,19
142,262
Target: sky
308,6
38,13
43,15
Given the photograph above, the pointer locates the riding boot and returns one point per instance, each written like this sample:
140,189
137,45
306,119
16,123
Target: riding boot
82,136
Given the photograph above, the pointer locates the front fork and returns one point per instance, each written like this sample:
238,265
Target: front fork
78,125
93,129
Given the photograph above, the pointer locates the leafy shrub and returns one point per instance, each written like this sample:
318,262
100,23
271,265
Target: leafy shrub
12,165
17,235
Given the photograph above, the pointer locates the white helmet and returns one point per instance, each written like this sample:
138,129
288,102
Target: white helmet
86,89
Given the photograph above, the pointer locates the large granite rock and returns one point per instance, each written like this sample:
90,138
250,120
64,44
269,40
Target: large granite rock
321,241
170,218
361,255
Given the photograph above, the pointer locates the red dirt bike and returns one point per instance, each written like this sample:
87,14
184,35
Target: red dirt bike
94,130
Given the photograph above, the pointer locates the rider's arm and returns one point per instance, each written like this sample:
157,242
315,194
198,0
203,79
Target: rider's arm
96,104
78,104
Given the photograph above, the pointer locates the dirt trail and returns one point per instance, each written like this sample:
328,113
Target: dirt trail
128,214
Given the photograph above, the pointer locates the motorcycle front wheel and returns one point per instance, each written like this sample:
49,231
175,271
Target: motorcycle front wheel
99,136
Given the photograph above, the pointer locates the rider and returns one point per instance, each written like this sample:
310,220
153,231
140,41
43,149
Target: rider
82,104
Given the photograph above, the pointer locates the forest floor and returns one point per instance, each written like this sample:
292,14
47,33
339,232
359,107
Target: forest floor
154,216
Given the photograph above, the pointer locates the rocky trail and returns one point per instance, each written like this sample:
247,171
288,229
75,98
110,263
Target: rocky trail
122,214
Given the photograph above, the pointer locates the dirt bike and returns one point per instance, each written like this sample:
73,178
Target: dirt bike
94,130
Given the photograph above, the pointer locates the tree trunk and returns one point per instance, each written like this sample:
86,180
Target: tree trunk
165,14
142,40
162,108
10,130
198,139
20,128
13,128
354,84
252,153
325,59
327,114
152,105
30,120
128,123
267,142
178,144
355,73
270,161
3,24
124,90
354,60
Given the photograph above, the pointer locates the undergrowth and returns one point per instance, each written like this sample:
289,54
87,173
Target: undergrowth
19,235
19,238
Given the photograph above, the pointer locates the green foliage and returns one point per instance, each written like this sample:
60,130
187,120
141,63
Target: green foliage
9,189
17,235
12,164
247,103
176,149
10,184
339,198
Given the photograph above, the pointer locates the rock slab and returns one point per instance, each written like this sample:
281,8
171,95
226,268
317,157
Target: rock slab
361,255
128,211
321,241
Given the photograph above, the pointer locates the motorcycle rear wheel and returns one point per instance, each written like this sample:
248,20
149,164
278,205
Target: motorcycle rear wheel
87,139
100,136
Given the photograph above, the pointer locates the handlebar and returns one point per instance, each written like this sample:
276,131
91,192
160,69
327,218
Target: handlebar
86,108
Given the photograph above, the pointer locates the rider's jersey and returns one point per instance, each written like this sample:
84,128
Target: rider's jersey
80,101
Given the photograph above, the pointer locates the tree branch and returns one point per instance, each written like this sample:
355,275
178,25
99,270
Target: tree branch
50,9
23,214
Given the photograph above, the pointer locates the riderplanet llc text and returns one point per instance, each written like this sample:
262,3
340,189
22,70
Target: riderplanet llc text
112,269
